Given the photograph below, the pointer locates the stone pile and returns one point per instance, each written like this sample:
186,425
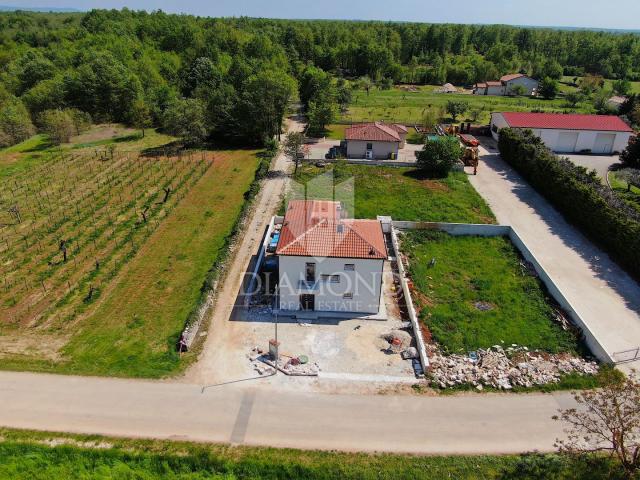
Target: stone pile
505,368
264,365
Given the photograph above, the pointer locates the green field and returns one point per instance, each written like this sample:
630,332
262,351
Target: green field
137,258
402,106
403,194
31,456
469,270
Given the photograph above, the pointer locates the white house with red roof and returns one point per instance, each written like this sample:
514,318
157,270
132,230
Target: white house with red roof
328,263
375,141
569,133
506,85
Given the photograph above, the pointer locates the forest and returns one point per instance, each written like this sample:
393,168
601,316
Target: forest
231,80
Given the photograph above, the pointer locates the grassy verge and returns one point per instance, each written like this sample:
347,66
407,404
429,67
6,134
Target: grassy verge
397,105
405,195
30,455
469,270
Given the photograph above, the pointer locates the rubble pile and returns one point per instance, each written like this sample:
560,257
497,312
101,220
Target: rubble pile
295,366
505,368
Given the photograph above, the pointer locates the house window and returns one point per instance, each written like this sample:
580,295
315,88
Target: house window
349,267
310,272
369,146
348,296
331,278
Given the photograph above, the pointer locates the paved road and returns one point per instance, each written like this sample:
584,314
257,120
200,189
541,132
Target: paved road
599,163
243,415
601,292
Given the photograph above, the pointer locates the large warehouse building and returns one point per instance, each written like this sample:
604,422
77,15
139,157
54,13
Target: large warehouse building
599,134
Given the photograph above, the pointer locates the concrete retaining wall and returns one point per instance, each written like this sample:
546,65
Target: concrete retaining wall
504,230
481,230
374,163
422,351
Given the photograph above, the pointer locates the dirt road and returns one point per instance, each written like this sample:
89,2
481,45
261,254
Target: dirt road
215,364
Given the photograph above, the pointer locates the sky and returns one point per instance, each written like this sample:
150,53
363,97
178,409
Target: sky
612,14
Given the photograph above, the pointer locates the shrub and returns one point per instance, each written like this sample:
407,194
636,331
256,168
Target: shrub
437,157
578,194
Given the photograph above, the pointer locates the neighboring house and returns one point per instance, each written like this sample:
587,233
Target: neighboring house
600,134
327,263
375,141
506,86
488,88
616,102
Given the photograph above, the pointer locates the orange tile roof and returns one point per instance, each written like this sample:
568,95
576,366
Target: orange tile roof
313,228
373,132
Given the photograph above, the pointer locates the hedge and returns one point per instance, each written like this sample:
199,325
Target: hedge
578,194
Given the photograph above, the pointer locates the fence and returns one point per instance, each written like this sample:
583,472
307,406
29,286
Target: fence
504,230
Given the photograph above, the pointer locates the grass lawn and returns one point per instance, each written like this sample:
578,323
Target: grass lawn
30,456
397,105
336,131
632,195
404,195
476,269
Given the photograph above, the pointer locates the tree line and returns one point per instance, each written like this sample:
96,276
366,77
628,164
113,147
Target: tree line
232,79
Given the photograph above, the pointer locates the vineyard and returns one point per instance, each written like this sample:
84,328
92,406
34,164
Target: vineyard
69,228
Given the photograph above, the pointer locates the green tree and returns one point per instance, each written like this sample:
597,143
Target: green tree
365,83
58,125
631,176
518,90
607,420
141,115
186,118
573,98
344,95
630,157
15,123
430,118
322,111
456,108
622,87
548,88
438,156
293,147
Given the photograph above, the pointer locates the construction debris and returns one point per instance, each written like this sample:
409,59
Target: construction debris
398,340
505,368
294,366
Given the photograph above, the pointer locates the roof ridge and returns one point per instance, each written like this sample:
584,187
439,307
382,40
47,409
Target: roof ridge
303,234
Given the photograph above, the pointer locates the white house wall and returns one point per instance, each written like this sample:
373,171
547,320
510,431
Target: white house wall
529,84
550,137
381,150
364,283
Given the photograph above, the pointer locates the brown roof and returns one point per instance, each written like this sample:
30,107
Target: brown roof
399,128
512,76
313,228
376,132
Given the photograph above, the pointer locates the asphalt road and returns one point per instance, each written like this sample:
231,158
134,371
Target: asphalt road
241,414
